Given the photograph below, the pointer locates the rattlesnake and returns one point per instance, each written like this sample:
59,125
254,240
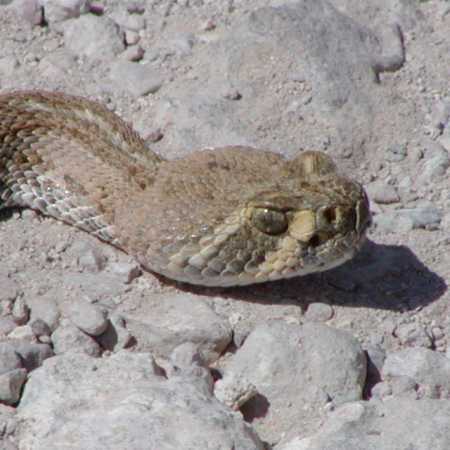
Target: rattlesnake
218,217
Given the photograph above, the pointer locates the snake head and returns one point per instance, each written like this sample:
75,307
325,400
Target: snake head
279,235
309,219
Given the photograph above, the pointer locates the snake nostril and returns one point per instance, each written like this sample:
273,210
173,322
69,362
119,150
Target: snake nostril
330,215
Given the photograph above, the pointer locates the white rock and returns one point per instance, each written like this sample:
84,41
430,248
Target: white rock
132,406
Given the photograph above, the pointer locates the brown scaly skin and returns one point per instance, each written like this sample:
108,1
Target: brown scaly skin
222,217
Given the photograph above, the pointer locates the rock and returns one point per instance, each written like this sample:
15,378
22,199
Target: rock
9,359
407,219
136,7
133,405
163,322
93,37
188,362
60,10
382,193
11,385
319,312
395,423
88,318
126,272
20,311
40,328
30,10
32,354
135,79
424,366
44,308
328,365
131,37
235,393
23,332
116,336
69,338
133,53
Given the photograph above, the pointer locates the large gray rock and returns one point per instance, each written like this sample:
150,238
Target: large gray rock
122,402
163,322
296,370
395,424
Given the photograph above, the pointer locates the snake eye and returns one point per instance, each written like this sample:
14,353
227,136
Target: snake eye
269,221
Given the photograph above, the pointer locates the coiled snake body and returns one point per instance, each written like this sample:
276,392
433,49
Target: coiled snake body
222,217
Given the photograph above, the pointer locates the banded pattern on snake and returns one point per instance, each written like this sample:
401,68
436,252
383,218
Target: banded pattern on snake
229,216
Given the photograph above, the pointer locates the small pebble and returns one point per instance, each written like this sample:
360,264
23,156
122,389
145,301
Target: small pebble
135,7
319,312
382,192
131,37
133,53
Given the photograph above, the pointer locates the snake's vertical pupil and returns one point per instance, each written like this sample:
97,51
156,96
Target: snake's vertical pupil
330,215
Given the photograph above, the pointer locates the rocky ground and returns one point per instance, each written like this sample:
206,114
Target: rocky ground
95,354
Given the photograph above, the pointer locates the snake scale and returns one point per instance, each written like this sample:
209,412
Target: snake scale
218,217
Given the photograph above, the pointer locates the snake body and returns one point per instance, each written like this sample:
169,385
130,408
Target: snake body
222,217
